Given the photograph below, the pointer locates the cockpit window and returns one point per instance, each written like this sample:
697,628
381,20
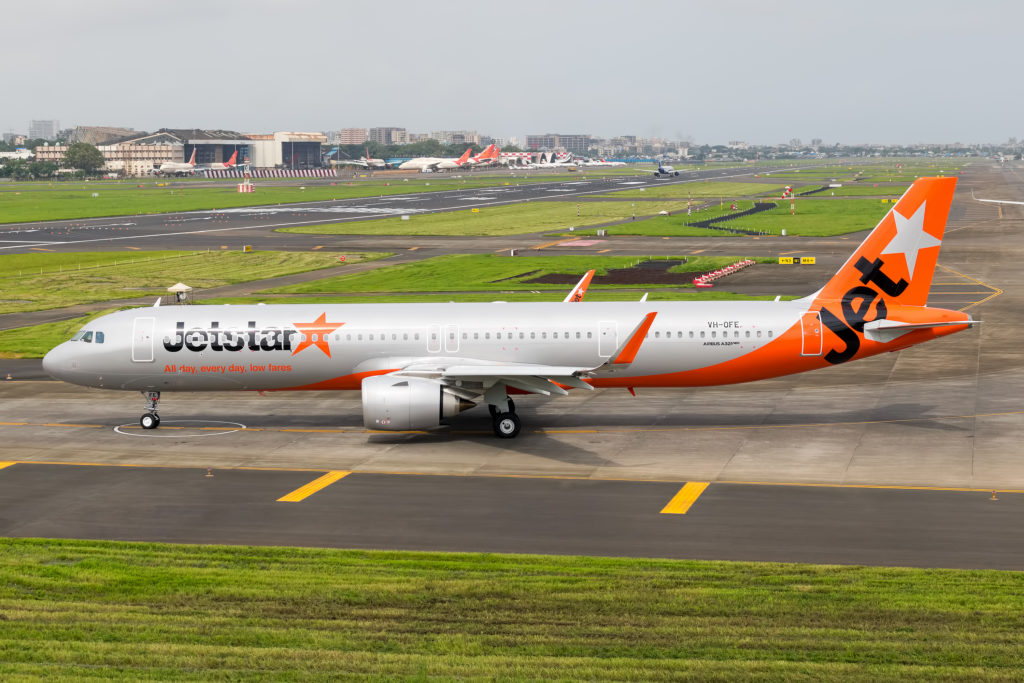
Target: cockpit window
99,338
78,335
87,337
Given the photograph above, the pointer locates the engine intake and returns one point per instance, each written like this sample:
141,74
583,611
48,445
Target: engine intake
398,403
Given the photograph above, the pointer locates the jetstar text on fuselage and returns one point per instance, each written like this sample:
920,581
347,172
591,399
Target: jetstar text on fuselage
216,338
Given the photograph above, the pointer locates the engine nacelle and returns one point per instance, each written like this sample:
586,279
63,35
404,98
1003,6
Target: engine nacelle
399,403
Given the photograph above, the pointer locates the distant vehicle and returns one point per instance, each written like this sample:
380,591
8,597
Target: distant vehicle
177,168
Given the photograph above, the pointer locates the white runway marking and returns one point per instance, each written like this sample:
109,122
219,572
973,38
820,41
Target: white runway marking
152,433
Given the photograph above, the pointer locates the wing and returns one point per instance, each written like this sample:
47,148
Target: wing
470,379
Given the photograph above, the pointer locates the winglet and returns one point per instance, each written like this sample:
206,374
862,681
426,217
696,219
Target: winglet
626,353
580,289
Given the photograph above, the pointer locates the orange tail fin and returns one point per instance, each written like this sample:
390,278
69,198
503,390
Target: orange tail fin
231,161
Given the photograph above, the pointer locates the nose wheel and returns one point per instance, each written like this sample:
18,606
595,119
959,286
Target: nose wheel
150,419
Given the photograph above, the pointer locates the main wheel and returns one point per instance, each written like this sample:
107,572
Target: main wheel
507,425
149,421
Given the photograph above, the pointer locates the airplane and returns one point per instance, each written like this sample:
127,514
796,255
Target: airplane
662,171
419,364
217,166
177,168
435,163
365,163
602,162
488,156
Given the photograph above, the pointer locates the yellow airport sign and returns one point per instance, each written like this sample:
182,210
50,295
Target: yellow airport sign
786,260
807,260
476,210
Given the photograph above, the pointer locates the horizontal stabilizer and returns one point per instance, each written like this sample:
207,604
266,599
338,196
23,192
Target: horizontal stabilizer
886,330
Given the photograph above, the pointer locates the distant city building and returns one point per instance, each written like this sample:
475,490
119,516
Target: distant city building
288,149
456,137
577,144
352,136
14,138
416,137
388,136
43,130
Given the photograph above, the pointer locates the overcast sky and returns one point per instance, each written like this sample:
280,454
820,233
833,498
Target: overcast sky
716,70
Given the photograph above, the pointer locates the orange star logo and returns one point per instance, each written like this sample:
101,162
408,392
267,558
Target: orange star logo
316,334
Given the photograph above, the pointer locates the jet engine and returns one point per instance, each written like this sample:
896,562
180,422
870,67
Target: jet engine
396,403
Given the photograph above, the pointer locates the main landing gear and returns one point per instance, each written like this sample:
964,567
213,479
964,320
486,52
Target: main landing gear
506,424
150,419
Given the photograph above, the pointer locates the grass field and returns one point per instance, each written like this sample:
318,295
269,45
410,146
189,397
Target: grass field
702,189
486,272
496,220
30,282
864,190
134,611
817,217
65,201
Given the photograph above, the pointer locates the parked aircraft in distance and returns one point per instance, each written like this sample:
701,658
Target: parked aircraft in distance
178,168
602,162
364,163
488,156
217,166
419,364
435,163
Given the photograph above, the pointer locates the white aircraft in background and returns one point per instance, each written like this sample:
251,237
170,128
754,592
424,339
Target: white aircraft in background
662,170
418,364
367,162
217,166
435,163
602,162
488,156
177,168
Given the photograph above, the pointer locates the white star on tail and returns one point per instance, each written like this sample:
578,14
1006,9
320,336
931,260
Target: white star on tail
910,238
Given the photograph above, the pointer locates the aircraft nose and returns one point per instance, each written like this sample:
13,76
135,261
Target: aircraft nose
56,362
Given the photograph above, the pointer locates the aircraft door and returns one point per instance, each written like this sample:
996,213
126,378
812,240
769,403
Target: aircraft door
810,326
608,338
451,338
434,338
142,340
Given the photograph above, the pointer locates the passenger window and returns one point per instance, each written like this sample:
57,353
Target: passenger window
405,336
691,334
533,335
521,335
736,334
554,335
590,335
657,335
543,335
359,337
702,334
465,335
348,337
748,334
487,335
759,333
714,334
416,336
769,334
394,337
577,335
476,335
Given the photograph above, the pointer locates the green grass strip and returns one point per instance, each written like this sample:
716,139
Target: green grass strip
134,611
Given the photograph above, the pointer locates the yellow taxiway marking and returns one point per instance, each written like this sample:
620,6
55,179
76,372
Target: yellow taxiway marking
319,246
8,463
995,290
1000,211
697,252
556,242
687,496
604,251
133,248
40,249
304,492
415,248
491,475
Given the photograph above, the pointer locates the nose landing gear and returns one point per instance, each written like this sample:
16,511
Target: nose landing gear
150,419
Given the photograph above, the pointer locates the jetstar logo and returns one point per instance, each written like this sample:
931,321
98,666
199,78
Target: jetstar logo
268,338
316,333
856,306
